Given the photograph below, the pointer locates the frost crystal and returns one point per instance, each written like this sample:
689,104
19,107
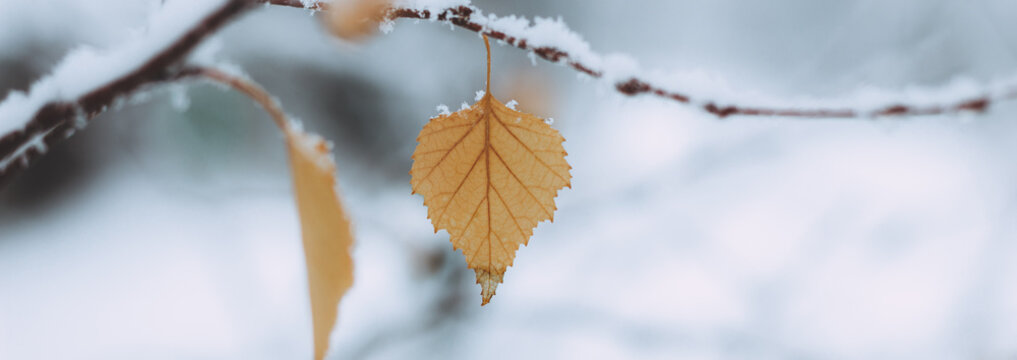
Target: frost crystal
386,26
480,95
178,98
549,121
443,110
511,104
464,106
80,120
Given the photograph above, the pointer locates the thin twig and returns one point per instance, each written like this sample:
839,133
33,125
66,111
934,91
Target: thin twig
461,16
245,86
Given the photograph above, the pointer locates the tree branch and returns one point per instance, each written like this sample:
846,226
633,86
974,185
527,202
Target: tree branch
58,119
471,18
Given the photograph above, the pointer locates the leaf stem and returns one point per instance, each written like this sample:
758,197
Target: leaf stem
487,44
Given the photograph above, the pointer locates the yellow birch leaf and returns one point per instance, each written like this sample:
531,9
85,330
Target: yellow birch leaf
323,223
325,229
489,175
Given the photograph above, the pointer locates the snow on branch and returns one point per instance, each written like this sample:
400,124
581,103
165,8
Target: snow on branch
553,41
88,81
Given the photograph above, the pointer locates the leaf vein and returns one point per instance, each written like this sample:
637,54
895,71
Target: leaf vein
528,149
459,187
454,145
509,209
513,173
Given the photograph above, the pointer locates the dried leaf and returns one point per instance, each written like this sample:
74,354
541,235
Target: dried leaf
325,229
489,175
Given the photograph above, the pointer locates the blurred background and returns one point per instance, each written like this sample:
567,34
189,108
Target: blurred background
166,230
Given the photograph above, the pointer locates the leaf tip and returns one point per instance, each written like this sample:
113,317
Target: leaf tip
488,284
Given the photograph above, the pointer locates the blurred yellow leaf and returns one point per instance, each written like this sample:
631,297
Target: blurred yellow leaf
354,20
489,175
527,86
325,229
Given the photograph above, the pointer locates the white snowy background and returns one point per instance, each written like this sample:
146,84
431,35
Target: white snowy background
166,230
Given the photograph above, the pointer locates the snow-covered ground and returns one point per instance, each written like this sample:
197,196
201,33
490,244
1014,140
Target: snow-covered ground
683,236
